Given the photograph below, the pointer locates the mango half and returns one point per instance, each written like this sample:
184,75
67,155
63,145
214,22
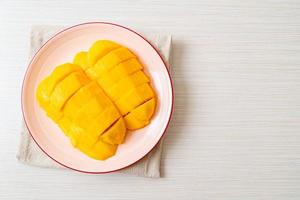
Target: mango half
95,99
120,74
82,110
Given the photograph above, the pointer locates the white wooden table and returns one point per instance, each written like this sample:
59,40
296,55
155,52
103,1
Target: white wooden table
235,132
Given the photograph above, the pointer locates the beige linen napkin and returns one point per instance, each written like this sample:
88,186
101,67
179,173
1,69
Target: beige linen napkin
29,153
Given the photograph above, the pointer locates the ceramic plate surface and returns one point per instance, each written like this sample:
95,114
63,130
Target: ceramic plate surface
60,49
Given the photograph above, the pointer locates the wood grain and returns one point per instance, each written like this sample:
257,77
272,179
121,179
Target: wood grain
235,131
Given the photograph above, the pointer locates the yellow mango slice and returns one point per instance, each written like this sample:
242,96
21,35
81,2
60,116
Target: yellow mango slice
66,88
92,109
91,145
126,68
110,60
80,59
81,98
115,134
71,130
88,99
55,115
126,84
47,85
44,91
99,150
141,115
104,150
95,148
103,121
86,143
134,98
100,49
64,124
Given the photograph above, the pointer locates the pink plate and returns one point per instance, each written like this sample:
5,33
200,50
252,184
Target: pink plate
60,49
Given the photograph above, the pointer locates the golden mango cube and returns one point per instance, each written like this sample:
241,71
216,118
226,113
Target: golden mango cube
112,135
140,116
100,49
66,88
94,108
126,84
124,69
47,85
80,59
110,60
102,150
81,98
103,121
134,98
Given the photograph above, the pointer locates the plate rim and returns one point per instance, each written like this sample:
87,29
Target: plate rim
57,34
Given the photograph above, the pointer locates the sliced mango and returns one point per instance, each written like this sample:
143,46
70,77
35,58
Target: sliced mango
66,88
122,70
88,99
96,148
80,59
65,124
71,130
55,115
81,98
47,85
127,67
85,115
99,150
103,121
140,116
86,144
115,134
134,98
104,150
100,49
120,75
110,60
126,84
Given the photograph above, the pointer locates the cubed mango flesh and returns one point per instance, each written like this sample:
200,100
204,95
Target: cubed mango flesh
112,135
126,84
120,74
81,98
134,98
66,88
124,69
47,85
100,49
140,116
109,61
80,59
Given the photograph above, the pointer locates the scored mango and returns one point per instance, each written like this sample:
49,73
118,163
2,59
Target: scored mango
80,59
120,74
128,83
100,49
109,61
47,85
82,110
124,69
81,98
66,88
112,135
140,115
95,99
